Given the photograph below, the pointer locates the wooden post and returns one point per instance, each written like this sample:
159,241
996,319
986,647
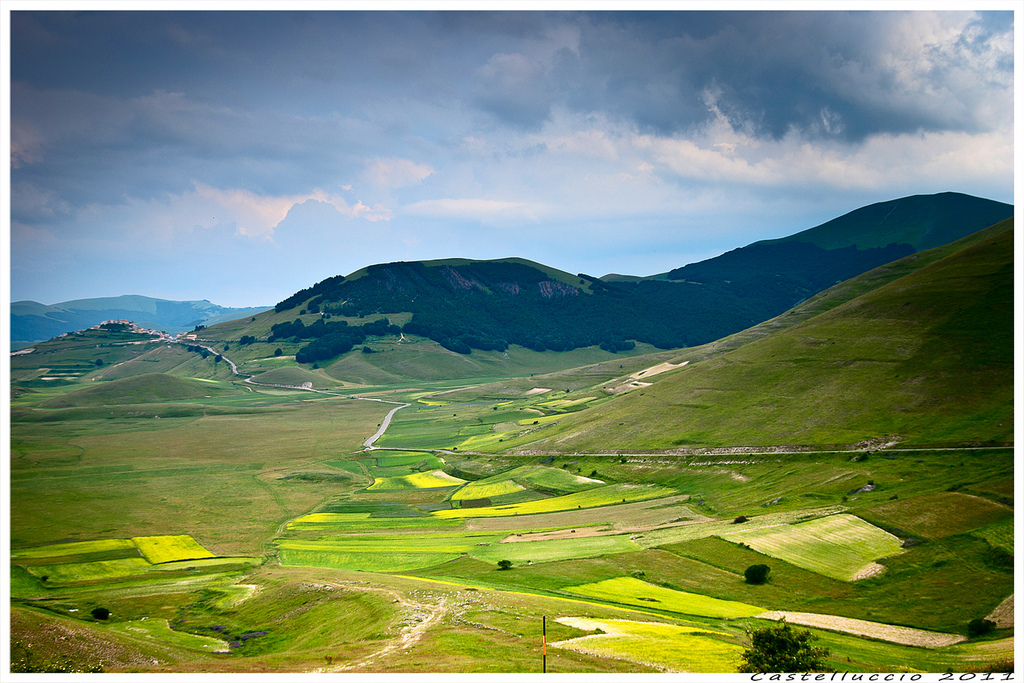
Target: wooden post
544,646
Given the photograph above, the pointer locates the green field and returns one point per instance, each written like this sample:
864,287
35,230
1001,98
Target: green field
999,535
840,546
81,572
362,561
629,591
555,550
485,489
527,477
159,630
79,548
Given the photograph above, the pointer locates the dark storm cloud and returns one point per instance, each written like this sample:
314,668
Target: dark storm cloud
502,132
840,74
831,73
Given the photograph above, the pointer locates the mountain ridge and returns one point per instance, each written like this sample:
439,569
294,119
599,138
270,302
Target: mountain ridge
467,304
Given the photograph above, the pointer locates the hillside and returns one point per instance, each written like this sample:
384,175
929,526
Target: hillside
926,358
466,305
150,388
844,247
32,322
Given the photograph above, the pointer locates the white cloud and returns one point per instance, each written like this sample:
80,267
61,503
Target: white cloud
479,209
257,216
395,173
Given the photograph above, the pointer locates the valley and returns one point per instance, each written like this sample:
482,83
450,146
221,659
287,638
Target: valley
214,505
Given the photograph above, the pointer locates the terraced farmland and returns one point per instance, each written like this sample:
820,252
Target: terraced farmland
840,546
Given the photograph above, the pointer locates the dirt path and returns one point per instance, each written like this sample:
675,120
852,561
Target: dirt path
420,617
902,635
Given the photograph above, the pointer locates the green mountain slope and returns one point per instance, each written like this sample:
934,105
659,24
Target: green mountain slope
588,376
926,358
846,246
922,221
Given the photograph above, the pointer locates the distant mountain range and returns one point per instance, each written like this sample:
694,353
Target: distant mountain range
33,322
488,305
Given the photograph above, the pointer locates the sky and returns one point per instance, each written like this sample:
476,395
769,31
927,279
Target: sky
239,156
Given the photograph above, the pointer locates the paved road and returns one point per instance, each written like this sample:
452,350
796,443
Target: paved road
368,443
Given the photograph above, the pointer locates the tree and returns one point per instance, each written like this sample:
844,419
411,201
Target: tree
757,573
979,627
278,352
780,649
101,613
504,564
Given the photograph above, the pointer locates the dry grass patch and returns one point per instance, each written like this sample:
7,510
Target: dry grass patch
869,629
937,515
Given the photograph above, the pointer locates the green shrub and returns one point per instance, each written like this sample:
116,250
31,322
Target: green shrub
979,627
779,648
757,573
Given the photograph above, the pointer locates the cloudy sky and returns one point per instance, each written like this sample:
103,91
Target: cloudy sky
240,156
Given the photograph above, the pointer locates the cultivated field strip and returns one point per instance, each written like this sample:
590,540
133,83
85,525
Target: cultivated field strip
69,564
869,629
627,590
420,480
604,495
669,647
840,546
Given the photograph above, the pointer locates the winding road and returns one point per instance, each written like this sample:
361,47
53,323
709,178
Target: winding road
368,444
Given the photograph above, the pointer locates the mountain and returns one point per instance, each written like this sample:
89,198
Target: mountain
489,305
815,259
33,322
925,358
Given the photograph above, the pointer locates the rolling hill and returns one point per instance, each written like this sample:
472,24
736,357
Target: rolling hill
924,358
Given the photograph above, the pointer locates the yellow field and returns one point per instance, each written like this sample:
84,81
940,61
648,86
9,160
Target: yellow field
157,549
665,646
603,495
420,480
432,479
